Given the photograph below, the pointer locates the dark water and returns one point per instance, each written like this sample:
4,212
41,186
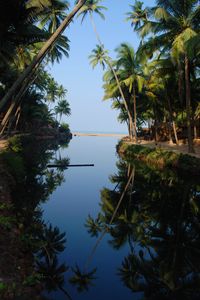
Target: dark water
69,207
61,244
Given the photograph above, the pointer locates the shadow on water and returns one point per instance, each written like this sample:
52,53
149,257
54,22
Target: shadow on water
153,212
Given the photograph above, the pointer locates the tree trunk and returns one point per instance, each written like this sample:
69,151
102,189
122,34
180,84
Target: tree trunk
180,83
95,30
121,93
15,103
172,120
135,114
188,105
39,57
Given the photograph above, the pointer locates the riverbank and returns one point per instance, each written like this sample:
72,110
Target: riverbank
159,157
181,148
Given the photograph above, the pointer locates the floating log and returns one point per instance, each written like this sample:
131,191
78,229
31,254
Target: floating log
66,166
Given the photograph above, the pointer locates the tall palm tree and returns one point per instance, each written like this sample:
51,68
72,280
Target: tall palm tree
100,55
90,7
130,74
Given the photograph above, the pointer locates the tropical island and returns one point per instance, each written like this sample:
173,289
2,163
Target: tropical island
149,210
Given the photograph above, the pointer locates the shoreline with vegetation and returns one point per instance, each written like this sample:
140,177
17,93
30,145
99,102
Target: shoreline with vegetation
159,157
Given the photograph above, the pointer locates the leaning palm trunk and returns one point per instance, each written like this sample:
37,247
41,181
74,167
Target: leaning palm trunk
188,105
123,97
16,102
116,78
42,53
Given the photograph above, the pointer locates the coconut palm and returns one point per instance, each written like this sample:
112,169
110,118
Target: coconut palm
138,15
100,55
130,74
89,8
61,92
51,19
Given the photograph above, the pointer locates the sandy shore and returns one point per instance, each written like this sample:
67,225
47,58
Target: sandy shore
99,134
183,148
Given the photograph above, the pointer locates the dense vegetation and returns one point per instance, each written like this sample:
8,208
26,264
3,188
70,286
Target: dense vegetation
158,84
31,34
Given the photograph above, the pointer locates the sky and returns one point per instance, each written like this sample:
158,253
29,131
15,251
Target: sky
84,84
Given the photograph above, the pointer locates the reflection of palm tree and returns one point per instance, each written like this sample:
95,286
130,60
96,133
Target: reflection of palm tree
82,279
158,222
53,274
54,242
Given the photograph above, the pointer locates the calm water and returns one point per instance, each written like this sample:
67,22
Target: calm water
69,207
150,250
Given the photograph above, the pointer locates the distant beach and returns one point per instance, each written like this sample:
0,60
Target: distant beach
76,133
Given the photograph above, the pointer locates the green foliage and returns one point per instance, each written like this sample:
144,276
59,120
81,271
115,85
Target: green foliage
14,164
15,144
160,158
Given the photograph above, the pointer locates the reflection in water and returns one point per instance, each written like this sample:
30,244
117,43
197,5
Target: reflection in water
29,247
159,220
152,213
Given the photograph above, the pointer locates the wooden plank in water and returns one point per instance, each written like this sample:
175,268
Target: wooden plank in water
63,166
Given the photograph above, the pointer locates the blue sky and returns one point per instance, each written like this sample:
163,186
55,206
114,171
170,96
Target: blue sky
85,93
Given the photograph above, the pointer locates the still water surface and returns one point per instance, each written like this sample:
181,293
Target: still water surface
150,250
69,207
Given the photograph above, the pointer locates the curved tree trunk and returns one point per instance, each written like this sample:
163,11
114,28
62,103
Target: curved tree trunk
188,105
41,54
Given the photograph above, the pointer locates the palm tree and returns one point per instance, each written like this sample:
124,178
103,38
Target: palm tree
61,92
62,108
50,20
130,74
53,15
174,24
100,55
138,15
90,7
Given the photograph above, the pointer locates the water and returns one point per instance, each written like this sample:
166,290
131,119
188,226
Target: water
150,251
69,206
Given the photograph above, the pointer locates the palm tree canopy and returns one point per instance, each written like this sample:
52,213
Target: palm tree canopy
63,108
91,6
173,24
99,56
129,67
